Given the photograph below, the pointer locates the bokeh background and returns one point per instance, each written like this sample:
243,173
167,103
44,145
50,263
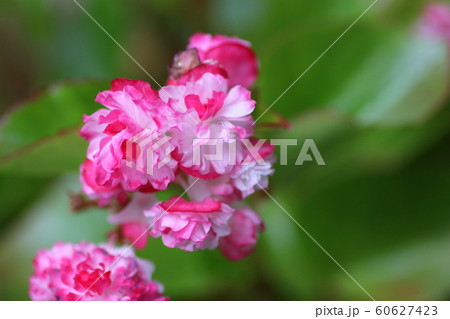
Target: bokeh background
376,105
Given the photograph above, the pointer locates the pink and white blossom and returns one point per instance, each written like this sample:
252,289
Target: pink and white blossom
250,177
187,67
195,130
210,118
133,225
219,189
253,173
233,54
85,271
133,107
103,194
190,225
245,226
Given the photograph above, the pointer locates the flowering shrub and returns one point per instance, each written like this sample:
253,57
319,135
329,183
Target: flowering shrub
196,132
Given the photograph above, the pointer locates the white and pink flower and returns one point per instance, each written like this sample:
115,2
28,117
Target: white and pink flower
187,67
233,54
210,120
103,194
87,272
133,107
254,171
190,225
195,130
133,225
245,227
219,189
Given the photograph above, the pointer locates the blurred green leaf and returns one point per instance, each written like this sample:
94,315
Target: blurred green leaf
418,270
40,136
402,82
16,194
380,73
55,155
382,190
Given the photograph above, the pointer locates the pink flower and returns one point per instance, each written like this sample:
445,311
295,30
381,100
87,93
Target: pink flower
136,233
196,129
186,67
231,53
196,74
209,118
103,194
123,150
190,225
253,173
436,20
219,189
133,225
88,272
246,177
245,226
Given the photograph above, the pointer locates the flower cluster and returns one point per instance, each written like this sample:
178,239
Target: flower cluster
88,272
196,132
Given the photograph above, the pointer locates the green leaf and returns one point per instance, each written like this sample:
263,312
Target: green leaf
402,82
382,192
350,149
417,270
16,194
50,157
378,73
40,136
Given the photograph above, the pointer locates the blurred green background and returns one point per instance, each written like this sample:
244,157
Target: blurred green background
376,104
